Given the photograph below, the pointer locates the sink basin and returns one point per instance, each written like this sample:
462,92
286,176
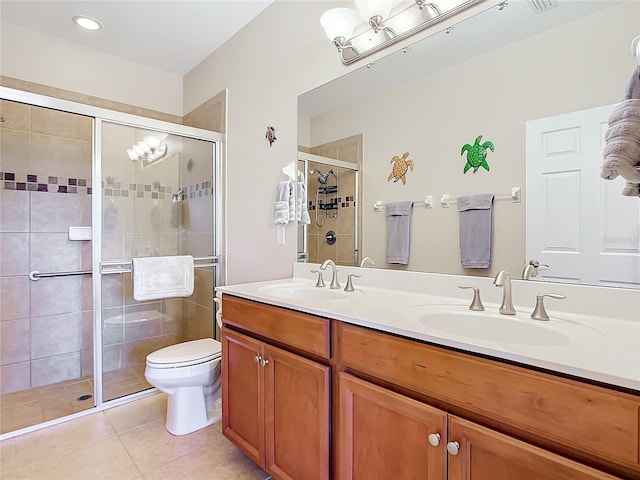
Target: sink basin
301,292
461,322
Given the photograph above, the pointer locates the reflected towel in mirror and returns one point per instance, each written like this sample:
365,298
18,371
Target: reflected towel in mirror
476,230
398,231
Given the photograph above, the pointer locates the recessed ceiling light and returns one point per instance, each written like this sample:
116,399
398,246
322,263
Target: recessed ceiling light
87,23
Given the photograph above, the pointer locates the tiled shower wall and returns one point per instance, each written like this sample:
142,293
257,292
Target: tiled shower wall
45,325
343,250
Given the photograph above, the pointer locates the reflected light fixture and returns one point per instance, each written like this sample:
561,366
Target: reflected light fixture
384,26
147,151
87,23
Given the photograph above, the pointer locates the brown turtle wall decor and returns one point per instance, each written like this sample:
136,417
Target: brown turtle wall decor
400,168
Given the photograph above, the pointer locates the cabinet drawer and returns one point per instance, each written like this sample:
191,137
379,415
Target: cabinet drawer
298,330
589,418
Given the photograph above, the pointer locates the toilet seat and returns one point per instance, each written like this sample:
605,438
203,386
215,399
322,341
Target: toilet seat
185,354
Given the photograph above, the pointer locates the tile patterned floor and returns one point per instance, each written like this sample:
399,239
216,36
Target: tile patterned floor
128,442
36,405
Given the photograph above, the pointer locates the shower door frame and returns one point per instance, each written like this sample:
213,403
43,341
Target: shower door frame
303,253
98,116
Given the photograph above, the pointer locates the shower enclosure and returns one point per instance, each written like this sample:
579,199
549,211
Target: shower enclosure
84,190
332,197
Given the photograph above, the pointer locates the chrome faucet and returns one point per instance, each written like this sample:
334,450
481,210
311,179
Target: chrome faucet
503,279
367,260
335,284
531,269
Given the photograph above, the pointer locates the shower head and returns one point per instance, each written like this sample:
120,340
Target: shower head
322,177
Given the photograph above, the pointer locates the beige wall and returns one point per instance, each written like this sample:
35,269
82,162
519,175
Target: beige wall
32,56
432,117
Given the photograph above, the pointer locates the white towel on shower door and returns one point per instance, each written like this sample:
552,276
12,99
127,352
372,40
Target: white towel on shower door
162,277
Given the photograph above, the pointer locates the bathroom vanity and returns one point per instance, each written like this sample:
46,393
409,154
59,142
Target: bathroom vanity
314,390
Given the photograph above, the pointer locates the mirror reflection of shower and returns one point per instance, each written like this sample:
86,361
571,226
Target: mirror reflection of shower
326,195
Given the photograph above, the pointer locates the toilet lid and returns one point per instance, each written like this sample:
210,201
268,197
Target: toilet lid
193,351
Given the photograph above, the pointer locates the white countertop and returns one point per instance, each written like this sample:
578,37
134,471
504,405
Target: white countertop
604,349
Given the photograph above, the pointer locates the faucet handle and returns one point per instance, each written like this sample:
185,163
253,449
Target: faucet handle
539,313
349,286
476,303
320,282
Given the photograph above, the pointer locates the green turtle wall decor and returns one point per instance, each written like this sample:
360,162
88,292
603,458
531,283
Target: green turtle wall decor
400,168
477,155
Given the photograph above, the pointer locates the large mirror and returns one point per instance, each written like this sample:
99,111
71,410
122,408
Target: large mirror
534,84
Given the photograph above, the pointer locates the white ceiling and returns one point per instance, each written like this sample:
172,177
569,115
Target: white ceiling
173,36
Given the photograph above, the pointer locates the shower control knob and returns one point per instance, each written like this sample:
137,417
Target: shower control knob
256,359
264,362
434,439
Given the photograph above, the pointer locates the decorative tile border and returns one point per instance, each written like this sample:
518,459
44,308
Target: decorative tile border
110,188
45,183
338,202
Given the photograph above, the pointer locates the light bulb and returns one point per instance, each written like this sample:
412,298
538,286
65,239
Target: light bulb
338,22
372,8
133,156
153,142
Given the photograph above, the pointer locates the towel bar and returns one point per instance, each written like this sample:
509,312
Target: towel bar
119,266
124,266
427,202
514,196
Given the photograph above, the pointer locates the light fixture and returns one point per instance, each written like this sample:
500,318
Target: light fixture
384,26
88,23
147,151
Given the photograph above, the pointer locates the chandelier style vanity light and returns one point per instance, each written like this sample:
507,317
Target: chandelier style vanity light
147,151
383,25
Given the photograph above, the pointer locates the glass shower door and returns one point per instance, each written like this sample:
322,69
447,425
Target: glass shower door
46,328
157,200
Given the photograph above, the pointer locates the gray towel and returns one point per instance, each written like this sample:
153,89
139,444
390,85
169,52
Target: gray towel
622,150
633,89
476,230
398,231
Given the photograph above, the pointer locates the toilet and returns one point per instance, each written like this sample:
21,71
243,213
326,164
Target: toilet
189,373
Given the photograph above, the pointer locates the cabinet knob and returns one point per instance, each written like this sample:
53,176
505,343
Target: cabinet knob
256,359
453,448
434,439
264,362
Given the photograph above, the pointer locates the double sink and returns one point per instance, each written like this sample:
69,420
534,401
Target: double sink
450,319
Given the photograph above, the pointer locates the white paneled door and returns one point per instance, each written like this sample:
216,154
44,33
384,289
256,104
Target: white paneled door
578,224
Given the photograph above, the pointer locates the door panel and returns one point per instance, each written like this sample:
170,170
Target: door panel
386,435
485,454
297,416
578,224
242,394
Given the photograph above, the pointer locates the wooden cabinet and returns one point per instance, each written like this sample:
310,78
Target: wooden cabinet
275,403
399,403
385,435
483,454
590,424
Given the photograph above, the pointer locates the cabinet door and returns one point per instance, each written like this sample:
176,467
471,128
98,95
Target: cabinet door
242,394
483,454
382,435
297,416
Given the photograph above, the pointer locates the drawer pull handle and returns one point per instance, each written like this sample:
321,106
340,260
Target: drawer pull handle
453,448
256,359
264,362
434,439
